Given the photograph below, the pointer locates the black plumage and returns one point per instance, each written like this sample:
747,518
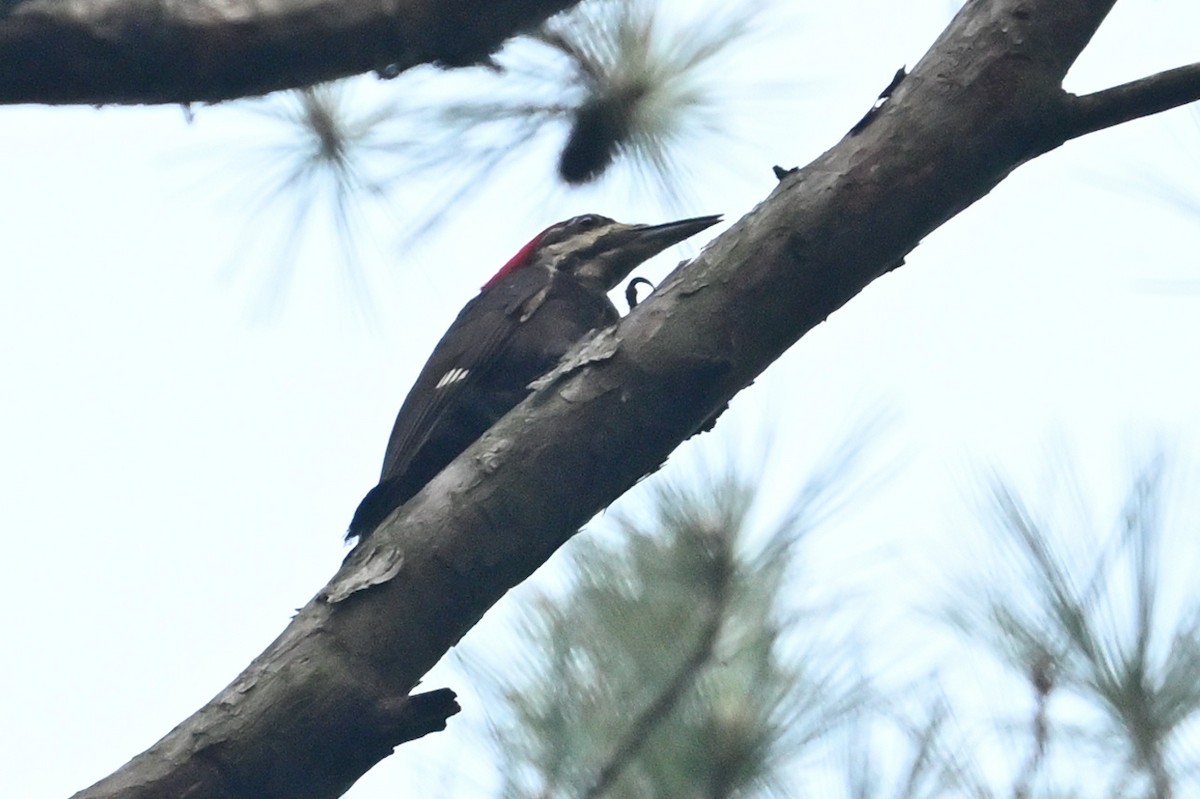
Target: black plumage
551,294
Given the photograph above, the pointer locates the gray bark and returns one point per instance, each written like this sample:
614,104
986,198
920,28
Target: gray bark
184,51
325,700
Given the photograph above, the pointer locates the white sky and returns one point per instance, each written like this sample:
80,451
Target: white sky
177,472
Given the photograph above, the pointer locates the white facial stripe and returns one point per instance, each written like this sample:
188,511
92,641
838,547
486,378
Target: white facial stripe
451,377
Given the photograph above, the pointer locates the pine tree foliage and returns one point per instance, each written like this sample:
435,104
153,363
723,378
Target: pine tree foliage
607,82
639,86
670,665
1090,624
325,167
894,752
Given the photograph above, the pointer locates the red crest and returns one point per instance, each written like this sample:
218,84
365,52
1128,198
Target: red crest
516,262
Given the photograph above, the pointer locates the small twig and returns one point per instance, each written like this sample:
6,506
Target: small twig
416,715
1133,100
1041,677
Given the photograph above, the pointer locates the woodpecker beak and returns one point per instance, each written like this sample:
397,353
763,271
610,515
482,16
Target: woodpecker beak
621,248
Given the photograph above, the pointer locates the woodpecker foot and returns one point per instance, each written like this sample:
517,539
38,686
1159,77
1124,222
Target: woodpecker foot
631,296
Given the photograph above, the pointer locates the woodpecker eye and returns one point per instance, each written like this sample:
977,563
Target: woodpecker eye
587,221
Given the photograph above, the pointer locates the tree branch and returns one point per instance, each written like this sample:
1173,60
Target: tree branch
299,722
1151,95
155,51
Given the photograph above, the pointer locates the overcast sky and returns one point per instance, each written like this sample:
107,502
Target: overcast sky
179,456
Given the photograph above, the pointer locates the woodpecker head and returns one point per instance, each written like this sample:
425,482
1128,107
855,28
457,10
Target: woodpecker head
599,250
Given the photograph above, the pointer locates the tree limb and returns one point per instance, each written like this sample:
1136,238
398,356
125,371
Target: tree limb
299,722
1151,95
160,51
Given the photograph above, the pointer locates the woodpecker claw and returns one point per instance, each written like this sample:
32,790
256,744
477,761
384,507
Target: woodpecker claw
631,296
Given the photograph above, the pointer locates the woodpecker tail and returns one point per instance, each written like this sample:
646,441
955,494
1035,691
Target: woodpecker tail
376,506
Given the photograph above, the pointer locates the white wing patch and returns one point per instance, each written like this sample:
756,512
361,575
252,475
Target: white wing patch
453,376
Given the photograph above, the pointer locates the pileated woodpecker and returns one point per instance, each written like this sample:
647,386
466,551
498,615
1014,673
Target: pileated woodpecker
548,296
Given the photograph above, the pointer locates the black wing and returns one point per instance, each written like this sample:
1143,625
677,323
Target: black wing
457,362
452,401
